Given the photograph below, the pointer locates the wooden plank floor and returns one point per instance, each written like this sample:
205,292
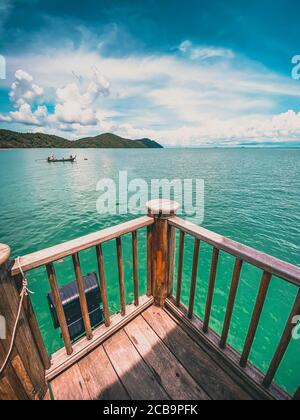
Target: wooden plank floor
151,358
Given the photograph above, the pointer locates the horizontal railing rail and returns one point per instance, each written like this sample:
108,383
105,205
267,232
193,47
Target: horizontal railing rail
274,266
49,256
55,253
270,266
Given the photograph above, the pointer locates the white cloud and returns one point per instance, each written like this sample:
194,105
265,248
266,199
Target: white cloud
172,98
24,115
23,90
279,128
203,53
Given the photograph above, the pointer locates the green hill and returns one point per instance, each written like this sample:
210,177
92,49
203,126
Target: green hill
12,140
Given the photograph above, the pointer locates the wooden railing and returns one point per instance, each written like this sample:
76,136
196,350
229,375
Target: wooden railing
48,257
270,267
161,224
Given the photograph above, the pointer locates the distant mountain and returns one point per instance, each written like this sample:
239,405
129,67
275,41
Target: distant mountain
12,140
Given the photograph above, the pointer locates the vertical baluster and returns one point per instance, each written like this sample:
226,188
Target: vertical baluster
135,268
260,301
149,261
211,288
59,308
103,290
231,301
121,276
194,278
171,259
180,266
82,296
283,345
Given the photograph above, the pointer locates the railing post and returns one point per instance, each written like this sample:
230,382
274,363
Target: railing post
162,247
24,375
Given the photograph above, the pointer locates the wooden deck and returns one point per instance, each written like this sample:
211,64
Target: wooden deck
151,358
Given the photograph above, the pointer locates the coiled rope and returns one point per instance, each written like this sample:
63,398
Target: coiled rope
24,292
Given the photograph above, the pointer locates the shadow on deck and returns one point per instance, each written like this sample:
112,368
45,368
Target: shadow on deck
151,358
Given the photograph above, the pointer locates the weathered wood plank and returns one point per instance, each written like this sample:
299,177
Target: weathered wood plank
70,386
139,381
211,288
100,378
260,301
272,265
121,276
7,393
194,278
23,376
59,308
231,300
250,378
135,268
24,344
177,382
216,383
103,289
34,326
180,267
55,253
82,296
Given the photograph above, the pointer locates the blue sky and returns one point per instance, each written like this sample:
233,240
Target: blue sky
191,72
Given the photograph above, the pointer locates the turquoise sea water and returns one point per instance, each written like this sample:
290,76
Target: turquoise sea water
251,195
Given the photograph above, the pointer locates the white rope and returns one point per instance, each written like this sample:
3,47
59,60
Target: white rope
24,292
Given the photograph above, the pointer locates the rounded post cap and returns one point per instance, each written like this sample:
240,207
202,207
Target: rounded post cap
162,207
4,254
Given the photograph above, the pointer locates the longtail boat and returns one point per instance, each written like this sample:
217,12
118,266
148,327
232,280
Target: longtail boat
53,160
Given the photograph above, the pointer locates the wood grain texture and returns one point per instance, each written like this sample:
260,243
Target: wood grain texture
34,326
100,377
160,260
139,381
276,267
250,378
176,381
24,349
55,253
70,386
212,379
